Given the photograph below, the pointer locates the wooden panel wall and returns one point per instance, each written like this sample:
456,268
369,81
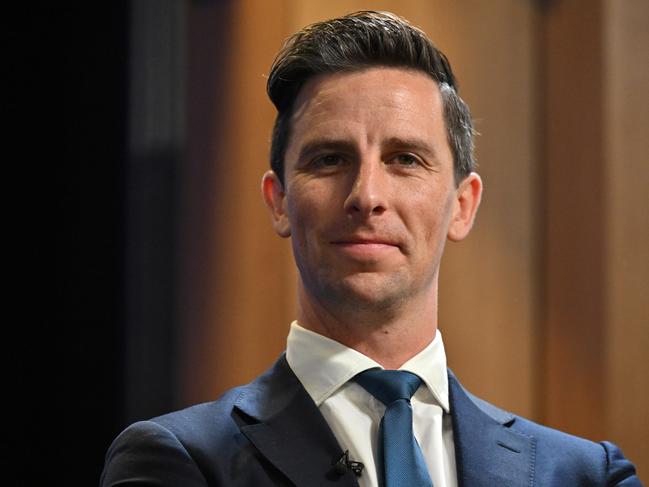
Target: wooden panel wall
596,326
575,231
627,173
237,279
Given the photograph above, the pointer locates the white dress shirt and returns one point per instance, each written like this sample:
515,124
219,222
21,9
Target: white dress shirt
324,367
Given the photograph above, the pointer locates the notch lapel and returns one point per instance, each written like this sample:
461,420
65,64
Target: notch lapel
488,450
281,420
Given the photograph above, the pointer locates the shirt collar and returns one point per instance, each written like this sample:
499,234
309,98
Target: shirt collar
323,365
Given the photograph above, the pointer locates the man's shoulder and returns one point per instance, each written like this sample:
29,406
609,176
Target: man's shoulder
554,453
199,445
206,419
236,406
552,439
208,426
571,453
540,433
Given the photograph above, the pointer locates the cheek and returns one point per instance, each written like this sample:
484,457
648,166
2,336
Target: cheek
304,214
301,213
433,215
310,204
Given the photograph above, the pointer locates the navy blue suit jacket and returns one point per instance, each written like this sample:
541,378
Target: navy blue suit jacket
270,432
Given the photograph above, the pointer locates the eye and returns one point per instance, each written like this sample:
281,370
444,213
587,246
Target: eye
328,160
405,160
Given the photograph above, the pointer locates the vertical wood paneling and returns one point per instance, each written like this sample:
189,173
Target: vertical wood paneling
597,231
575,230
489,283
627,173
236,306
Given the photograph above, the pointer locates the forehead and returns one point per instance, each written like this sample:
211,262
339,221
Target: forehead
373,103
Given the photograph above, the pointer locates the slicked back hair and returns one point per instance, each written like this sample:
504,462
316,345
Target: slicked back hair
355,42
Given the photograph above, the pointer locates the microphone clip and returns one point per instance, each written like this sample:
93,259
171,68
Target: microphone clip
344,463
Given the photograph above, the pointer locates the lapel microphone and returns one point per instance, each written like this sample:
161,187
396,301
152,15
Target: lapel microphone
343,464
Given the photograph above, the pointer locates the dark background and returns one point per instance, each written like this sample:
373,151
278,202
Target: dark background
88,66
68,72
95,106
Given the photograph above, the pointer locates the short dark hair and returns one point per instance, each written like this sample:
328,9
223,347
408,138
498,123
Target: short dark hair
358,41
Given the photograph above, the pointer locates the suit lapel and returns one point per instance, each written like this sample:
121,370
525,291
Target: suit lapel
279,418
488,450
284,424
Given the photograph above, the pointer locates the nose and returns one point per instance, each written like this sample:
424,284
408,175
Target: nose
369,190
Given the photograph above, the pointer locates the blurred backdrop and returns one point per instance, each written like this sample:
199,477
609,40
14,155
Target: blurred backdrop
173,287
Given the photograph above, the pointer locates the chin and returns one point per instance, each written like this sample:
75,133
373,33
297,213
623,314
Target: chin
365,291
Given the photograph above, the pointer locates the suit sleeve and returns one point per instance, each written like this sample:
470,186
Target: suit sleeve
148,454
621,472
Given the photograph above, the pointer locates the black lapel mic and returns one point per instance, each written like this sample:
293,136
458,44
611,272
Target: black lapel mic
343,464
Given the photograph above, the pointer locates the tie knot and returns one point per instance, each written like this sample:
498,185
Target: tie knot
389,385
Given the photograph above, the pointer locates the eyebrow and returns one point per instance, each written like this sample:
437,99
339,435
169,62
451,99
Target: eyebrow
324,144
416,145
419,146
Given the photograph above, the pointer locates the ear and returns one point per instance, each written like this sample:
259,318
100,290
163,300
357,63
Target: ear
273,192
468,195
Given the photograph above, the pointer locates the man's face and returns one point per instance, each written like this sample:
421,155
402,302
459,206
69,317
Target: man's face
369,196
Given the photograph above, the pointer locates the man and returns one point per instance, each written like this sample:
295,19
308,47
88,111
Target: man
372,171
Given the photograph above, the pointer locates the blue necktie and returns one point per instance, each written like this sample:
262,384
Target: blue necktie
403,462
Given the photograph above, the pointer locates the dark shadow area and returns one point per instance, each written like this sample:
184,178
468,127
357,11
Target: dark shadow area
90,71
68,103
92,348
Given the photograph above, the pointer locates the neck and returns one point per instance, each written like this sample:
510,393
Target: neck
390,337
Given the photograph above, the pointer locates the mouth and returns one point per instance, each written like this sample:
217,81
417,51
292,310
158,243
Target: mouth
361,247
